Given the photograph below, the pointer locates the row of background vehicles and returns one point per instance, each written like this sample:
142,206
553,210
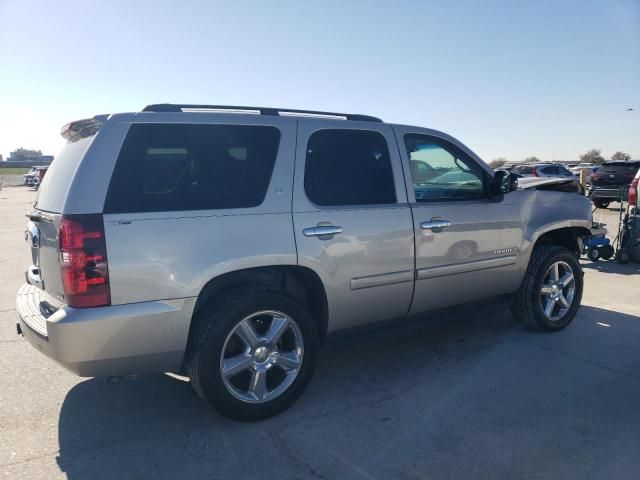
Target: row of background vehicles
606,183
613,181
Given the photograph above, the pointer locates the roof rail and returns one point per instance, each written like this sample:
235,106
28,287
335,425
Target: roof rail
173,107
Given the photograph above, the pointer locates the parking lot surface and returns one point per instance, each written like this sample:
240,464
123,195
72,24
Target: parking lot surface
477,396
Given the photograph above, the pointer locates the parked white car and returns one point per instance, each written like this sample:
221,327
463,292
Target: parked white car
578,168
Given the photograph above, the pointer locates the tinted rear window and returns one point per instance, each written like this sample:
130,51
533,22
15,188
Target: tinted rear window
348,167
174,167
522,170
620,168
55,184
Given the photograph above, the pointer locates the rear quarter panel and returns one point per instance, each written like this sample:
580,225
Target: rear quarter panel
166,256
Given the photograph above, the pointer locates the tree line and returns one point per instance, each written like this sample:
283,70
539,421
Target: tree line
592,156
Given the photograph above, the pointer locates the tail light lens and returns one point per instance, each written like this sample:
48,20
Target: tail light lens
83,261
633,191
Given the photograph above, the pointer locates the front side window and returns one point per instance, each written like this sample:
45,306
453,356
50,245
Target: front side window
174,167
441,171
348,167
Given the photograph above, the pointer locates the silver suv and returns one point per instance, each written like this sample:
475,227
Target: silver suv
226,242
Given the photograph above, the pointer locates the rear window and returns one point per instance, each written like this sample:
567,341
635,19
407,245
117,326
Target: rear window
53,190
348,167
620,168
524,170
175,167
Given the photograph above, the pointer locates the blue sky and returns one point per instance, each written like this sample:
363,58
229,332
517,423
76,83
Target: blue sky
511,79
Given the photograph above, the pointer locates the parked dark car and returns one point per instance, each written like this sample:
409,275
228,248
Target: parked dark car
610,179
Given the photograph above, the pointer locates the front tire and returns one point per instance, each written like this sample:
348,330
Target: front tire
551,291
252,352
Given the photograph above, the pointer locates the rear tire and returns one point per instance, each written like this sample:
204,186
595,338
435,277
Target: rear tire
594,254
221,326
546,285
623,255
606,252
601,203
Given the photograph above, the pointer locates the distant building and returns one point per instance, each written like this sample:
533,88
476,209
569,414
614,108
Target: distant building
1,159
24,155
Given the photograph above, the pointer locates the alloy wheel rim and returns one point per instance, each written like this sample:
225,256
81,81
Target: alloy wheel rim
262,356
557,291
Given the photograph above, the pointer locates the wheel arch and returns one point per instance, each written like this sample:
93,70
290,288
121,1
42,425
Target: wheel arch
566,234
569,237
299,282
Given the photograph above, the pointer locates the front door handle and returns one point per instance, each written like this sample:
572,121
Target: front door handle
435,225
324,232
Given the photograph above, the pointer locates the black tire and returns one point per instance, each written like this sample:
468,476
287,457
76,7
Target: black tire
601,203
594,253
214,323
623,255
526,305
606,252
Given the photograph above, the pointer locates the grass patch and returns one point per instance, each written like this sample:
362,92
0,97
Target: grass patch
13,171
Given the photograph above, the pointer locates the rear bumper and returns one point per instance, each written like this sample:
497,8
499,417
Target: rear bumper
605,193
147,337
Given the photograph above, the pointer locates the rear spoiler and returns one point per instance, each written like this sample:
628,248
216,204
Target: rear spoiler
79,129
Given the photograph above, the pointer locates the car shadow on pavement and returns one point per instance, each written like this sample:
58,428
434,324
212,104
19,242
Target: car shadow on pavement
611,266
367,397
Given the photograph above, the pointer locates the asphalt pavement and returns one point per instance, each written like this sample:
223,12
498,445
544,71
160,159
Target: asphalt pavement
477,396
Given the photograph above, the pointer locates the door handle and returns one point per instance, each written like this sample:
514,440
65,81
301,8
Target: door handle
325,232
435,225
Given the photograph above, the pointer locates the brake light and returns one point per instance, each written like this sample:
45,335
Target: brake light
633,192
83,261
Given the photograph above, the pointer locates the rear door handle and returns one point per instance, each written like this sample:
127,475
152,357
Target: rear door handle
324,232
435,225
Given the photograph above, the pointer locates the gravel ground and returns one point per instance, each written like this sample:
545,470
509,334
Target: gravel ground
475,397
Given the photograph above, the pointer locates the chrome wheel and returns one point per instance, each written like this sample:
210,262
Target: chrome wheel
558,290
262,356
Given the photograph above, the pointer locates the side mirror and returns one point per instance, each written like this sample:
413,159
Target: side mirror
503,182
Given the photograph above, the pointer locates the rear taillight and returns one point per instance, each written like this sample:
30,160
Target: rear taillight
83,261
633,192
534,172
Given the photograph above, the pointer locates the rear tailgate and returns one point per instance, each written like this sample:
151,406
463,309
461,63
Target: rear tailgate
42,235
44,221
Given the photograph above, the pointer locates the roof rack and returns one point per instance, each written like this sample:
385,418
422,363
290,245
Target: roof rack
173,107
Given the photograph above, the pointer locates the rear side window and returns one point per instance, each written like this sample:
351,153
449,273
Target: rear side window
173,167
348,167
523,170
